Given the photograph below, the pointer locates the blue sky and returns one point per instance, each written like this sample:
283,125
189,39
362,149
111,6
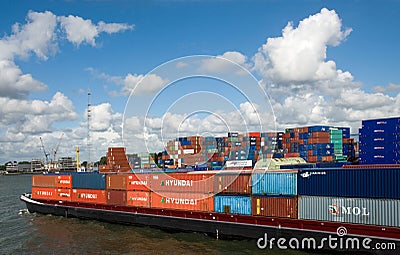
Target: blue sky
355,75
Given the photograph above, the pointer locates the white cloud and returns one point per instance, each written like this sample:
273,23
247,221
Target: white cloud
142,84
23,121
15,84
389,88
103,118
38,35
111,28
223,63
35,116
305,88
81,30
300,54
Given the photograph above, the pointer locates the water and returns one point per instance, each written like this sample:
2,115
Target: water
25,233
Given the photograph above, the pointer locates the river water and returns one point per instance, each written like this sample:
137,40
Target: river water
25,233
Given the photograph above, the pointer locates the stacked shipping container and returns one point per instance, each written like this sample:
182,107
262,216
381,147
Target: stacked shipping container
380,141
355,195
116,161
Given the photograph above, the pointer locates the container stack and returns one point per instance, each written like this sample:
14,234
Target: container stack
271,145
353,195
233,193
182,191
274,194
380,141
316,144
134,161
128,189
116,161
89,188
52,187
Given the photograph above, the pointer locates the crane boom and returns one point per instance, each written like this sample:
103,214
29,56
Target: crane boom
58,145
44,151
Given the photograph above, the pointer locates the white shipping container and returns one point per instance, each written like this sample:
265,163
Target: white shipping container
382,212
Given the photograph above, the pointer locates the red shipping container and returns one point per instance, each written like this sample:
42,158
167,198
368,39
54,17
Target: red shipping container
116,197
128,182
64,181
64,194
232,183
256,134
182,201
94,196
44,193
138,198
182,182
285,207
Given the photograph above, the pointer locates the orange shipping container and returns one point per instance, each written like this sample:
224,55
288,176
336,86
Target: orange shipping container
128,182
95,196
275,206
48,181
232,183
138,198
182,201
52,181
182,182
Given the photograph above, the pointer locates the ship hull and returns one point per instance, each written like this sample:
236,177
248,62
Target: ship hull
226,226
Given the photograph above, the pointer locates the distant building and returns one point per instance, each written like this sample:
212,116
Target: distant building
66,164
12,167
24,168
37,165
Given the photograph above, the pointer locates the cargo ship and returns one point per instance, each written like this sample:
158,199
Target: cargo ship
277,199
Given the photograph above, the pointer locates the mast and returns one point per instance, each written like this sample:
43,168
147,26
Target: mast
89,145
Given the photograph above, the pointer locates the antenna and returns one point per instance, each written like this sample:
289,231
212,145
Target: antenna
89,115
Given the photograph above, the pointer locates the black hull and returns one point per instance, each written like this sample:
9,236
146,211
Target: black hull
229,228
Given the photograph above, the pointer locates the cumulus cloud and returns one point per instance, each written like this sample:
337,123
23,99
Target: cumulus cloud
223,63
35,116
103,117
23,120
141,84
300,54
81,30
14,83
38,35
305,87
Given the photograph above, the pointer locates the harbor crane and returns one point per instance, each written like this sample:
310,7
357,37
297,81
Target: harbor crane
55,151
44,151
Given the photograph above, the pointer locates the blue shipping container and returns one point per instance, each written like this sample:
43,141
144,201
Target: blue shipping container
274,183
347,182
233,204
88,181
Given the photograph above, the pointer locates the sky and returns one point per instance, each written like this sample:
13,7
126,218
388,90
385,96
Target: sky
158,70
